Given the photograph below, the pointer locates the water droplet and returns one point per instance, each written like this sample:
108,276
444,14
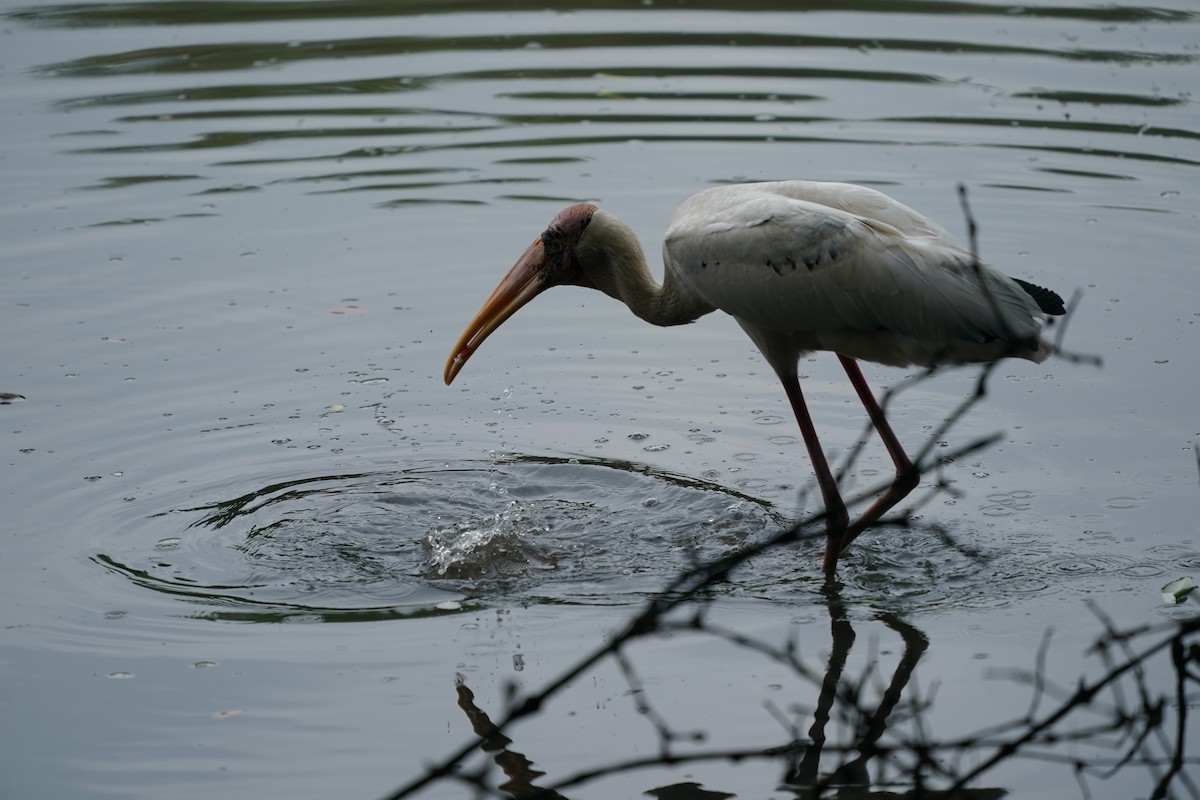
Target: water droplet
1122,503
996,511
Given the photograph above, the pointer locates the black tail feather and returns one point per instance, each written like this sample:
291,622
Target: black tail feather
1047,299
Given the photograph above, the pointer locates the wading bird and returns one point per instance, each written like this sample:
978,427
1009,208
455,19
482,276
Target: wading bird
801,266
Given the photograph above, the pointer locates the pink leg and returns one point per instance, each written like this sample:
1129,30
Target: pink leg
836,518
907,476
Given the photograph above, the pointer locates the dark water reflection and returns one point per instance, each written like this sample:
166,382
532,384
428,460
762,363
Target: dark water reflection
574,76
207,13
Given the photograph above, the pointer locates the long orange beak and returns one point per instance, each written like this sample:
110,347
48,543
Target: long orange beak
523,282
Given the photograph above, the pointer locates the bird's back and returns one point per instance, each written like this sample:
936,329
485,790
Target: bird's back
841,267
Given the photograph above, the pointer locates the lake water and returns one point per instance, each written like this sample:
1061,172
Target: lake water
240,240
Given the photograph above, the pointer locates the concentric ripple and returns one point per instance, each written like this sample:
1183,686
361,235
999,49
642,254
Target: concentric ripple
429,538
440,538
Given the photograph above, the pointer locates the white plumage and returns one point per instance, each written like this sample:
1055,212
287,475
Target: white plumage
801,266
847,269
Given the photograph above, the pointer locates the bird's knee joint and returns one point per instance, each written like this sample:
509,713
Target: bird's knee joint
907,480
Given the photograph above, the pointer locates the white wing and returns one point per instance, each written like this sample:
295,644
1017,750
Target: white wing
801,257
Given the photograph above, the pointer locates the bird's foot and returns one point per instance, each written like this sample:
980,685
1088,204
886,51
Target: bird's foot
837,540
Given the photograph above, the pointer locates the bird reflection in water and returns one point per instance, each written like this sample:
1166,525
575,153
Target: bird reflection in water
850,779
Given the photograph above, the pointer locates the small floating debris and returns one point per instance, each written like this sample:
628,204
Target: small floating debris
1178,591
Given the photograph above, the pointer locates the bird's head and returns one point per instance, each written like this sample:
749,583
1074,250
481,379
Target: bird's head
552,260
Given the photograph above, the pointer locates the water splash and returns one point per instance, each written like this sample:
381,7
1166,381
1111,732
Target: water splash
499,544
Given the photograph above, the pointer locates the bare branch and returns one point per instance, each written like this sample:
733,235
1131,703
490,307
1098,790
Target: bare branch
882,734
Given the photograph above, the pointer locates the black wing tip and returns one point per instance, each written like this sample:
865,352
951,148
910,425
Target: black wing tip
1048,300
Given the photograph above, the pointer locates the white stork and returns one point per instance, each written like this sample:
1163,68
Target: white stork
801,266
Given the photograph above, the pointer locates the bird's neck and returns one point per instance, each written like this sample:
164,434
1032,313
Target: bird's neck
612,259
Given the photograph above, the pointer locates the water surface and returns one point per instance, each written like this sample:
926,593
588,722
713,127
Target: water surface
241,238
